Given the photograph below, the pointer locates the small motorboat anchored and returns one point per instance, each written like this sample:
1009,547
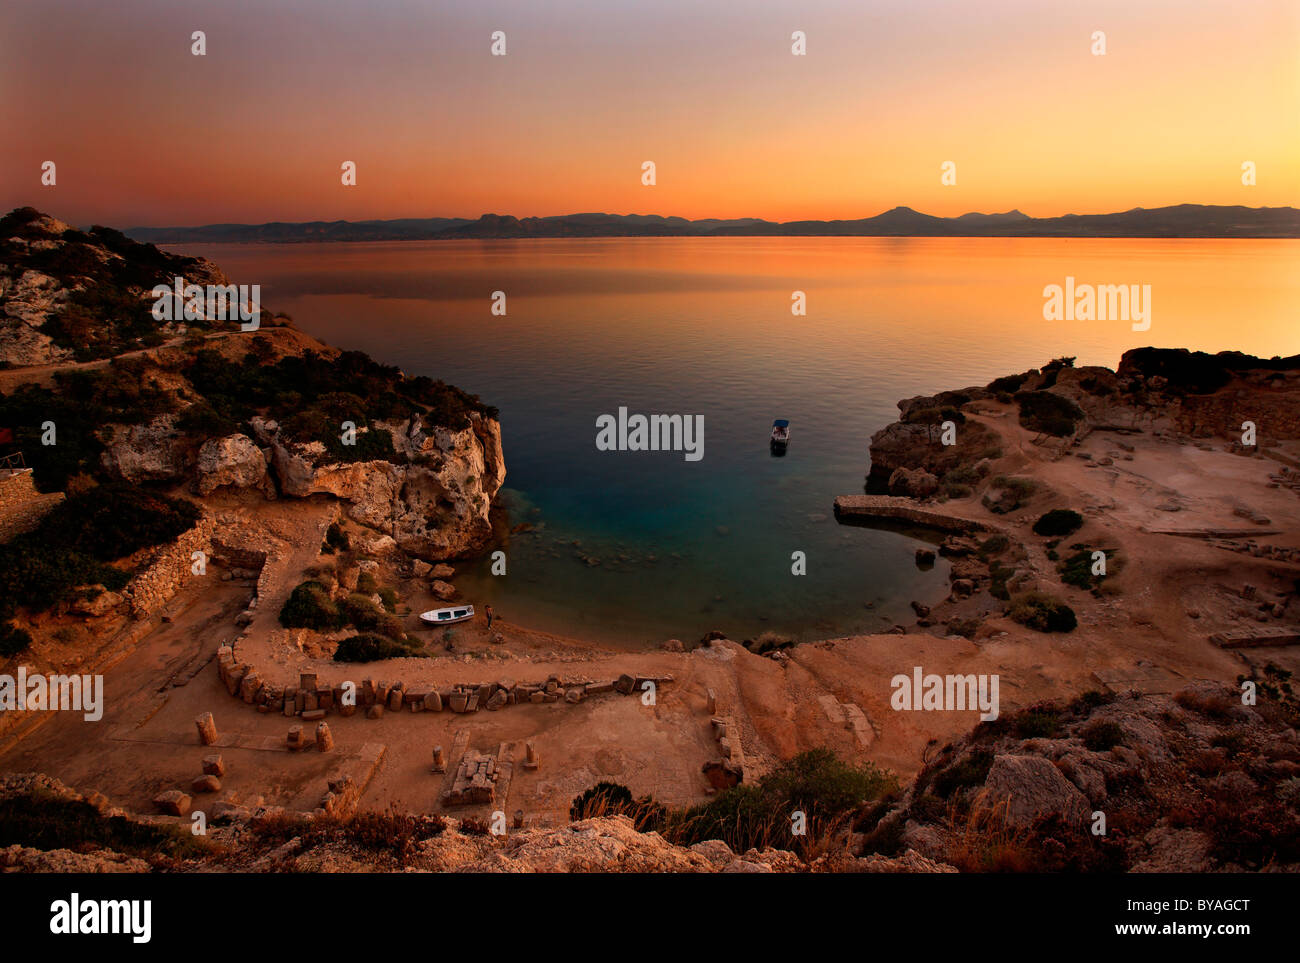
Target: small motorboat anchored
452,613
780,435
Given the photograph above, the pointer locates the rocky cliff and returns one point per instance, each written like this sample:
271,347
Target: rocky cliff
71,295
210,408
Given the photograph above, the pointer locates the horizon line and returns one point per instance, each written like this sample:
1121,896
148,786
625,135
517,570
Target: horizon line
696,220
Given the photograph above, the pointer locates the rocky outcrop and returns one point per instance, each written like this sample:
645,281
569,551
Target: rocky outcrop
29,299
913,484
434,500
918,446
235,461
1028,788
1193,782
156,451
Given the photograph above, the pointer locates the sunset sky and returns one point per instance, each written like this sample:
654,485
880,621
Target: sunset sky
144,133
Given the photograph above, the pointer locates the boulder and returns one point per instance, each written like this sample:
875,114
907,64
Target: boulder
234,460
173,802
207,783
156,451
1031,788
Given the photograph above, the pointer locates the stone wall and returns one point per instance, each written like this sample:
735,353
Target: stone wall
313,699
902,509
166,568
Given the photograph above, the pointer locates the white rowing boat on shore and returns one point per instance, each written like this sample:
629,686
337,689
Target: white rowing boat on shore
448,615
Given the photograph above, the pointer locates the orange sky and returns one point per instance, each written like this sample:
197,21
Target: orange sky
144,133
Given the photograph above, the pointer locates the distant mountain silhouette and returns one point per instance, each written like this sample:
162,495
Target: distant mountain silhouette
1182,220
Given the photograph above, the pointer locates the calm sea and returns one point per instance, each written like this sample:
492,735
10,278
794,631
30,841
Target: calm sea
637,547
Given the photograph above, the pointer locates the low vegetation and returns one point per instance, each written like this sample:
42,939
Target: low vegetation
615,799
390,834
309,606
1058,522
369,647
1042,612
73,545
1048,413
1007,493
45,820
1077,569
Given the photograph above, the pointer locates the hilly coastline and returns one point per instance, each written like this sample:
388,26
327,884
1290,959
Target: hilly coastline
1183,220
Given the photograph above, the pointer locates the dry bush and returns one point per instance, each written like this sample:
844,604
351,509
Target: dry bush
984,842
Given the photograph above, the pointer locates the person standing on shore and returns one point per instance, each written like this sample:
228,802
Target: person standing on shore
490,614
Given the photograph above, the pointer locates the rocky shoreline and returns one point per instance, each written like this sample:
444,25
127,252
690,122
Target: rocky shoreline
1108,531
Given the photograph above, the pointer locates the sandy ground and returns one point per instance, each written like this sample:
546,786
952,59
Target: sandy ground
1170,595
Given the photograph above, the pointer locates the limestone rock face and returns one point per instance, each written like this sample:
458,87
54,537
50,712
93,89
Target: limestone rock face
917,446
154,451
435,505
235,460
28,299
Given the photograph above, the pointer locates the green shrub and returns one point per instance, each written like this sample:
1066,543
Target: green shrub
963,627
1008,384
1077,569
309,606
362,613
1018,486
1058,522
965,475
115,520
1090,700
966,773
74,541
1001,574
1102,736
203,420
1048,413
36,577
826,789
1037,722
1042,612
369,647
